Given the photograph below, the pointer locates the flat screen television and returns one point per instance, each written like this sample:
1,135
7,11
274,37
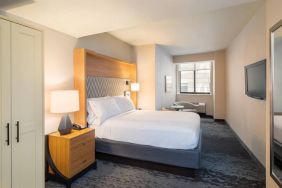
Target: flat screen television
255,80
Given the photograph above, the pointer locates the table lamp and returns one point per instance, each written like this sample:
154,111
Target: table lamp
64,102
135,86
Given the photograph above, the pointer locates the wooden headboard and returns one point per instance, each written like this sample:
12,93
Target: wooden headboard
89,63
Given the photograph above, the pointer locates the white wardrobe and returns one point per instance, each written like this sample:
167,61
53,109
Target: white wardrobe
21,107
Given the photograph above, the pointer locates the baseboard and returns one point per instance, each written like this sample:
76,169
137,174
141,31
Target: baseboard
203,115
246,147
220,120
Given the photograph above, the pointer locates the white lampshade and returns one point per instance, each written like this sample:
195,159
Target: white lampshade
64,101
135,87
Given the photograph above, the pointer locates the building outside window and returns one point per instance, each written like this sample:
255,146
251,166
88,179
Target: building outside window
195,77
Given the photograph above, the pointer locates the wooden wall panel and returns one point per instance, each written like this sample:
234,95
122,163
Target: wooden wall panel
89,63
100,66
80,85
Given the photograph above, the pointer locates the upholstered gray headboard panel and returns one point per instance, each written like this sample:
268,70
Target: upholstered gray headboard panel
101,86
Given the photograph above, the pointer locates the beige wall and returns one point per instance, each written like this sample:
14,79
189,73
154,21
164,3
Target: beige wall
219,85
193,57
58,70
153,64
246,115
273,15
146,76
215,103
164,67
109,45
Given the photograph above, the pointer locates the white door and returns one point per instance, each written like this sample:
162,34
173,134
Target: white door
27,108
5,105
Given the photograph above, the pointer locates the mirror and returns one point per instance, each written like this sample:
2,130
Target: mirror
276,102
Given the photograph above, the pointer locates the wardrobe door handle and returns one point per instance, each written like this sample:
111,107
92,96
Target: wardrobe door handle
8,133
18,131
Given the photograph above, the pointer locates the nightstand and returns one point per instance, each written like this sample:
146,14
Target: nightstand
70,156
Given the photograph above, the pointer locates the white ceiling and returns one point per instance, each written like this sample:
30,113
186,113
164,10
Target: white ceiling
203,32
182,26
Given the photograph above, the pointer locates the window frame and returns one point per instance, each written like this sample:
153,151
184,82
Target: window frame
195,84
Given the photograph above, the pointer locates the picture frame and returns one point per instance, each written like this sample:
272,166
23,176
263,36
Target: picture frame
168,84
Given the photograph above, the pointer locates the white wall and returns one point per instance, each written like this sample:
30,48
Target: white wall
164,67
109,45
246,115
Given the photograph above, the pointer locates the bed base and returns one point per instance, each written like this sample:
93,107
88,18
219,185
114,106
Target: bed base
174,157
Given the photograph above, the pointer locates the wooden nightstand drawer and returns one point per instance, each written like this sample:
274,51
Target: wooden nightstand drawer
81,163
80,150
74,152
82,138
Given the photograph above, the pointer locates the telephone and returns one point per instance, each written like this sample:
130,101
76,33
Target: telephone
77,127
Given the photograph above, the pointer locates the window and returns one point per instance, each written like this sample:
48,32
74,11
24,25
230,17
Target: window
195,78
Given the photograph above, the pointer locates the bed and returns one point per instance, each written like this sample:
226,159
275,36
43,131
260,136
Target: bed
169,129
166,137
172,138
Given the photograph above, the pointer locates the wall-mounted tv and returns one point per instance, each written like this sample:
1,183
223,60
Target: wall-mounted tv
255,80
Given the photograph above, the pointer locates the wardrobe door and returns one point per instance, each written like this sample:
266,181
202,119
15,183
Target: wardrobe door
5,105
27,108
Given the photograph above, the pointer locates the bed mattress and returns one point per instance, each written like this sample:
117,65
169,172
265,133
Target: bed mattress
164,129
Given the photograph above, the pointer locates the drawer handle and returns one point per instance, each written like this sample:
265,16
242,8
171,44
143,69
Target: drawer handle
84,143
84,161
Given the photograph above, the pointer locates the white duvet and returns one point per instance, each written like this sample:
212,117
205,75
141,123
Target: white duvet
165,129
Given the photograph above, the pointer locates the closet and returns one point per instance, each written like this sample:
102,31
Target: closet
21,106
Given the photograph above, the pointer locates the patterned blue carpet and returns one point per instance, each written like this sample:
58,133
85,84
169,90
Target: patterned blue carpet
224,163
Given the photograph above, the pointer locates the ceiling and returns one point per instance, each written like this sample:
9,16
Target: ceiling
203,32
181,26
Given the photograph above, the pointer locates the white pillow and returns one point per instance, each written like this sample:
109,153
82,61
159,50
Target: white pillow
124,103
91,116
103,109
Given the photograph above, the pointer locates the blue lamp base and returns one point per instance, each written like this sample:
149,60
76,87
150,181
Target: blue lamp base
65,126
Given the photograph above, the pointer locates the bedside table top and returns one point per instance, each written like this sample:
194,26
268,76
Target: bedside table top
73,134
